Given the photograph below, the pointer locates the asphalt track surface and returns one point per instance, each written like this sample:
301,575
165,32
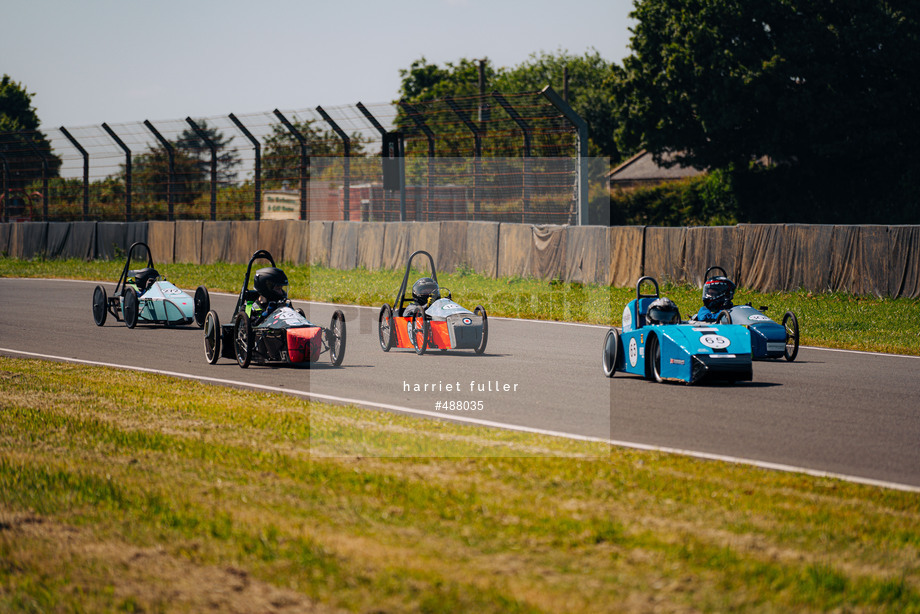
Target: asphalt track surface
847,414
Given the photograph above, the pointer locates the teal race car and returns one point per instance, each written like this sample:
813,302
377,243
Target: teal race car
143,295
655,344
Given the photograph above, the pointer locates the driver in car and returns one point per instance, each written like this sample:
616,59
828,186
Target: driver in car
271,284
718,293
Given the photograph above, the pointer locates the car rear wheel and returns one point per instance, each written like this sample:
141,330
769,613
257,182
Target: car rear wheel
611,351
100,305
202,305
243,340
337,338
480,311
385,328
653,356
418,331
130,308
212,337
791,324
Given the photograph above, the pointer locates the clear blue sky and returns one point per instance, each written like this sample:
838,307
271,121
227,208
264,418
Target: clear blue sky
94,61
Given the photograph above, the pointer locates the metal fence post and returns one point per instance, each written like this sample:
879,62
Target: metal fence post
525,170
44,178
5,204
477,151
346,144
85,155
417,118
207,141
257,199
582,129
304,161
127,151
402,167
171,179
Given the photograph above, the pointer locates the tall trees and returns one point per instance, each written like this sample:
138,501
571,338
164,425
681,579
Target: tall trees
20,136
592,82
828,91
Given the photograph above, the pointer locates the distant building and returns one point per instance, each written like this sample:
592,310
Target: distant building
642,171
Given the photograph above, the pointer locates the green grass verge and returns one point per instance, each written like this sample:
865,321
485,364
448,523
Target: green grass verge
833,320
161,495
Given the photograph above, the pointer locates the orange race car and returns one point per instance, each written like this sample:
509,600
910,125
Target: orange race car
427,317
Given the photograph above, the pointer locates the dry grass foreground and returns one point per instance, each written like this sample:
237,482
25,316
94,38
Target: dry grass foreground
124,492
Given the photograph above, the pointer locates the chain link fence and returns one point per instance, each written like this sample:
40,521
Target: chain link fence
518,158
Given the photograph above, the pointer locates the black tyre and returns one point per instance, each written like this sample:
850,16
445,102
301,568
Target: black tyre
653,359
337,338
480,311
724,317
100,305
202,305
611,352
130,308
242,338
212,337
791,324
302,314
418,331
385,328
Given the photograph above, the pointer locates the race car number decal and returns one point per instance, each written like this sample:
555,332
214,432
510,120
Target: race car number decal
757,317
627,320
633,352
716,342
172,291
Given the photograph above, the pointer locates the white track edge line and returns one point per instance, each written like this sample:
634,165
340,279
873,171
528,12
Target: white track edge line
490,423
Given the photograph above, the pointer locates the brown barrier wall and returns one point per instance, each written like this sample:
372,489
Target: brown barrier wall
371,237
868,260
296,241
161,239
396,245
189,234
482,248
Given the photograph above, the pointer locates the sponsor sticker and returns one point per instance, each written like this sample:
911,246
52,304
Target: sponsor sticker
776,346
678,361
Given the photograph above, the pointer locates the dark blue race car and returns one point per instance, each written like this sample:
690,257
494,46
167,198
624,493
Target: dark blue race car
769,339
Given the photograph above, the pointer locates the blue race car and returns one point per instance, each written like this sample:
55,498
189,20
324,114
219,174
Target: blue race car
768,338
655,344
142,295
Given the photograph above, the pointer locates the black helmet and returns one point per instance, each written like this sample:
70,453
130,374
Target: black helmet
718,293
271,282
663,311
425,288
